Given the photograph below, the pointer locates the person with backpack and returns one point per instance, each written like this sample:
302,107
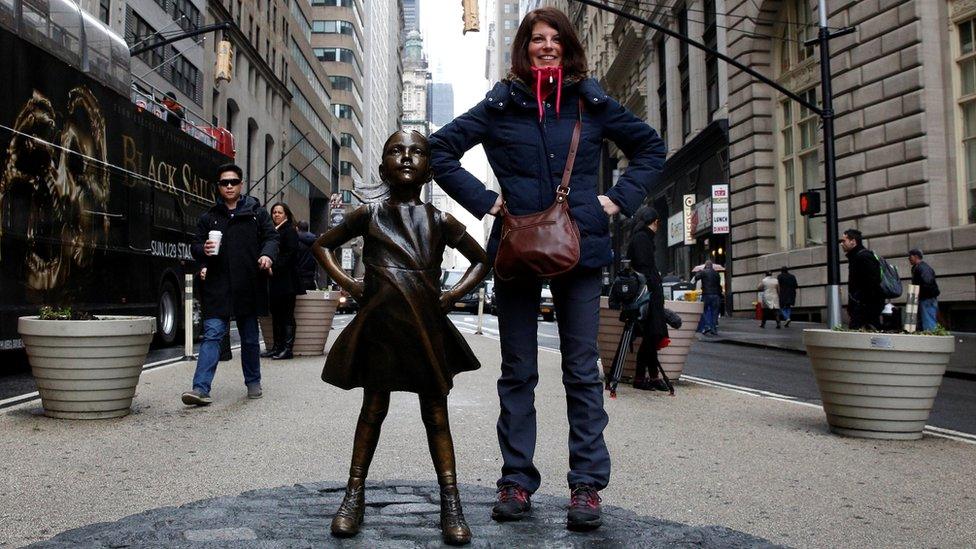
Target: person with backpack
923,276
865,299
654,330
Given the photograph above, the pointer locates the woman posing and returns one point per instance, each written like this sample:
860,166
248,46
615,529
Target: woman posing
526,124
284,285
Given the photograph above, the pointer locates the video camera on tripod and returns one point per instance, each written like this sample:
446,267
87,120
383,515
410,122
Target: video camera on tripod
629,294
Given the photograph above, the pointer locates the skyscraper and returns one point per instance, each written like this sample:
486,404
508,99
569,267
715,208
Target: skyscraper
442,103
411,15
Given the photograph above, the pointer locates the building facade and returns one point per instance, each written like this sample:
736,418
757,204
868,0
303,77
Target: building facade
384,87
441,96
416,84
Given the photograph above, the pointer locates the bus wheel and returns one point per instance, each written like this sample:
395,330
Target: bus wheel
167,314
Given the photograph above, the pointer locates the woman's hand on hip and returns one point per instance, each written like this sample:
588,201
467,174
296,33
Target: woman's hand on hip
497,208
609,206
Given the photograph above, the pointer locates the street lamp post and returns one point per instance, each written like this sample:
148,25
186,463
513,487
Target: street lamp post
825,112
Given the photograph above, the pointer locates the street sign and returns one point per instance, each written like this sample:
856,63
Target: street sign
336,215
676,229
809,203
347,259
688,204
720,209
701,217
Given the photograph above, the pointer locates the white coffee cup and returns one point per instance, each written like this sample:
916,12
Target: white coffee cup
215,237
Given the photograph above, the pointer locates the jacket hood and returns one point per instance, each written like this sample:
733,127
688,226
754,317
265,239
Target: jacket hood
521,94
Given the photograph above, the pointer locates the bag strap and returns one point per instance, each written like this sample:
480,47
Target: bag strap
563,190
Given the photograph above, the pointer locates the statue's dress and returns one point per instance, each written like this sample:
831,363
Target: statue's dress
400,340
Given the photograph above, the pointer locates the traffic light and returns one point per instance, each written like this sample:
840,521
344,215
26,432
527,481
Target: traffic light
809,203
225,62
470,17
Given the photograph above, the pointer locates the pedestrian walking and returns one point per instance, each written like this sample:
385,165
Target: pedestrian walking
923,276
864,298
526,124
711,291
787,293
306,261
402,340
284,284
769,287
653,329
237,244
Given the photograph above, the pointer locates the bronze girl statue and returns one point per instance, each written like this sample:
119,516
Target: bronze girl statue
401,339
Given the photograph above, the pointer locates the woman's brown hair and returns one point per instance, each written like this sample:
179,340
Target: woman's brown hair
574,59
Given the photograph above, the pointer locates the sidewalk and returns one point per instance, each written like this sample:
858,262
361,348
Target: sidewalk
746,331
709,467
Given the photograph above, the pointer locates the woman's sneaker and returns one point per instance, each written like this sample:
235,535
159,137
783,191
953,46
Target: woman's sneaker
584,509
513,503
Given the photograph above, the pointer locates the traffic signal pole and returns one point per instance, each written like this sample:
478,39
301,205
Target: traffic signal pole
825,112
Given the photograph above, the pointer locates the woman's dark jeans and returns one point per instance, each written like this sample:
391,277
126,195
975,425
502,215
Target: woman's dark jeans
576,296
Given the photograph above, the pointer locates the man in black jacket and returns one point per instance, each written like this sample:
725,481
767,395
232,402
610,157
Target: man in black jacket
711,288
923,276
864,298
306,262
787,293
236,282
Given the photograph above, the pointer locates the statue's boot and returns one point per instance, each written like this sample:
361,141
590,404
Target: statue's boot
454,529
349,517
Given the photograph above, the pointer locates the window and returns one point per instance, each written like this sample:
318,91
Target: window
683,74
332,27
342,83
711,62
186,77
335,3
338,55
509,24
797,28
799,169
138,30
342,111
508,8
301,102
185,12
313,79
508,40
662,90
104,10
309,152
303,25
966,76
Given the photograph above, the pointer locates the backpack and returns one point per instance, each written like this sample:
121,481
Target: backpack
890,281
626,289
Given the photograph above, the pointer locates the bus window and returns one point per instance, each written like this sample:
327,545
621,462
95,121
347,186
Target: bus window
98,48
66,30
34,23
121,74
8,17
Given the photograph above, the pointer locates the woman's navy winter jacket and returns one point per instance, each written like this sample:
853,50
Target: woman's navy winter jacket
528,157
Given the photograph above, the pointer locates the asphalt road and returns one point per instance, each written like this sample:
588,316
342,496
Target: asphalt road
769,370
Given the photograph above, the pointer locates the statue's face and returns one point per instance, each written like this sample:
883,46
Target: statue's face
50,197
406,160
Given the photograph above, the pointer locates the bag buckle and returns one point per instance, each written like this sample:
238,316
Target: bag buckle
562,193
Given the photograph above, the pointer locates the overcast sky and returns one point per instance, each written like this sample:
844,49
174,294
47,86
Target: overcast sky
457,59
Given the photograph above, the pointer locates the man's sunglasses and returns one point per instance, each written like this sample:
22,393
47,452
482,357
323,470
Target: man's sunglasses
229,182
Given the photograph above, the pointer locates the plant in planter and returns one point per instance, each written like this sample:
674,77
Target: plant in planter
878,385
85,367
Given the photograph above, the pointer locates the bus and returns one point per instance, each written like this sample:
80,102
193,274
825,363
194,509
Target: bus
99,189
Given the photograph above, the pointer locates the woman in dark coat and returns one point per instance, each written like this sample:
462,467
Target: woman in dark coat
526,125
284,285
654,330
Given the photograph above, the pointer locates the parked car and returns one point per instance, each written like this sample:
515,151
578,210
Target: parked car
347,304
467,302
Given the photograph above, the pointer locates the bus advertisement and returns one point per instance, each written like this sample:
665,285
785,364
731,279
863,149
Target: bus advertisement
99,196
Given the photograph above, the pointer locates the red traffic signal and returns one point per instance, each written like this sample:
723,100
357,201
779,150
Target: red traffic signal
809,203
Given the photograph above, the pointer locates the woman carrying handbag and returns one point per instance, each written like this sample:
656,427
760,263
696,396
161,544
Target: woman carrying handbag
542,129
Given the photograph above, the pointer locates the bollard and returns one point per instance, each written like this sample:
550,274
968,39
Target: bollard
481,308
188,317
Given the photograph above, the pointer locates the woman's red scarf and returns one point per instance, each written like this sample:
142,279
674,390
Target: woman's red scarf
546,77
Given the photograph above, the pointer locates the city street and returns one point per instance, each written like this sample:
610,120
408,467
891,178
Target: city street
765,468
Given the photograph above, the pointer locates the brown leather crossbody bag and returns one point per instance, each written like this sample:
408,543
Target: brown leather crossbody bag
543,244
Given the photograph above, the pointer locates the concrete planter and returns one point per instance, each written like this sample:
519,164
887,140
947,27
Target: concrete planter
87,369
876,385
314,312
672,357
